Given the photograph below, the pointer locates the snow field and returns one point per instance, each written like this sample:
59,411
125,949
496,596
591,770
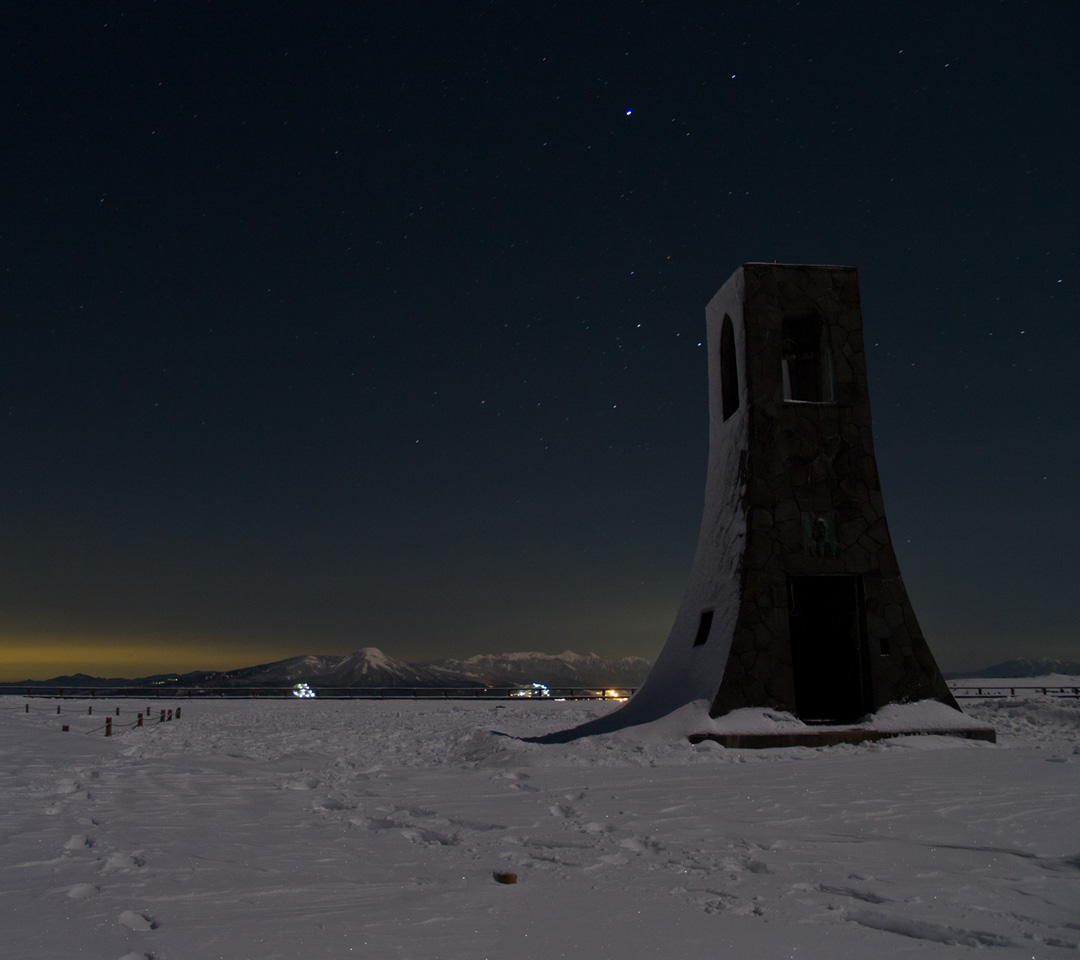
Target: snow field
326,829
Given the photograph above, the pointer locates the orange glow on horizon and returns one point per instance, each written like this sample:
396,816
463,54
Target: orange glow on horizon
28,657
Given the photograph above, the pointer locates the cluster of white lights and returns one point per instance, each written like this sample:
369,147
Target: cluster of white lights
303,691
534,690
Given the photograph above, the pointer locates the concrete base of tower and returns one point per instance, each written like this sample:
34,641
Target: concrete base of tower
757,728
762,727
831,736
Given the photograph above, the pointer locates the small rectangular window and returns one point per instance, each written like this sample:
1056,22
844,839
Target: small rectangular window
704,625
807,361
729,371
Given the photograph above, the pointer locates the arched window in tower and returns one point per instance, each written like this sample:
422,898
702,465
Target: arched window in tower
807,360
729,371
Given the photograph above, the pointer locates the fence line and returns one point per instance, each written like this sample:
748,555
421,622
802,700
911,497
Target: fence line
110,724
332,693
996,691
960,691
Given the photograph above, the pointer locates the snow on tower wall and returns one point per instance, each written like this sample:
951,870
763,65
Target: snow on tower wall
683,671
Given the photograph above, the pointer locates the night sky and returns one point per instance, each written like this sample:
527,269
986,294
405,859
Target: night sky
338,325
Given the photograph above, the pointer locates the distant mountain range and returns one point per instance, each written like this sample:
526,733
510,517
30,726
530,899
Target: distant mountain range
371,667
1024,667
567,669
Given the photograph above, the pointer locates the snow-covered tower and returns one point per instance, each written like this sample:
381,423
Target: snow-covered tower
795,599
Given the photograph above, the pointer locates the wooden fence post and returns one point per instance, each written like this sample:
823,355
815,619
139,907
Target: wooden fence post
108,726
138,723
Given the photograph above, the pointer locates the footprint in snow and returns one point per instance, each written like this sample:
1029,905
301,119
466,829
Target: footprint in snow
83,891
123,861
718,901
524,787
79,842
517,781
640,846
375,824
865,896
429,838
934,932
139,922
476,825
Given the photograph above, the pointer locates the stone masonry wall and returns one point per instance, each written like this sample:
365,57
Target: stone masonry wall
814,501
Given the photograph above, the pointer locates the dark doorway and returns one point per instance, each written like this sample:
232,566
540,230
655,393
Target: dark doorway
827,649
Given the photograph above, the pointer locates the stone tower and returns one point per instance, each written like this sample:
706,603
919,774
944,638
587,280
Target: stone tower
795,599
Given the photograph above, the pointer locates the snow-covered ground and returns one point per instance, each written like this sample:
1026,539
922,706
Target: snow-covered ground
317,829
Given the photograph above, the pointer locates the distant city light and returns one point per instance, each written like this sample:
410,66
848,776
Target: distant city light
303,691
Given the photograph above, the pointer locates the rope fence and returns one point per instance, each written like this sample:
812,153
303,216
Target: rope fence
141,720
997,690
